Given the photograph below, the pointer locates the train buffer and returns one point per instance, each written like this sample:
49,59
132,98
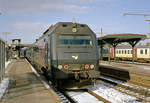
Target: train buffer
25,86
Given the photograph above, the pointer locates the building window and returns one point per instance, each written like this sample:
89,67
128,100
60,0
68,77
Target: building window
146,51
125,51
119,52
122,51
141,51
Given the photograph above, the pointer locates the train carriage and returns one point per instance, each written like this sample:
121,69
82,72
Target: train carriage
124,52
143,53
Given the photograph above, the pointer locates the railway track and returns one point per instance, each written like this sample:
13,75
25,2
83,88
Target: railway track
85,96
141,94
111,91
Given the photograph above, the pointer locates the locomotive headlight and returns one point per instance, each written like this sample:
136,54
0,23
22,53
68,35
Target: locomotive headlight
92,66
60,66
86,66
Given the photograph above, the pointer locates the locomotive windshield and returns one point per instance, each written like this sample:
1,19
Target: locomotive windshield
75,40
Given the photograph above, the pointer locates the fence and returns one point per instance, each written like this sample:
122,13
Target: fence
2,60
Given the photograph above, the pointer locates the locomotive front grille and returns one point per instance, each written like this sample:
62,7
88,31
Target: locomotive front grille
75,67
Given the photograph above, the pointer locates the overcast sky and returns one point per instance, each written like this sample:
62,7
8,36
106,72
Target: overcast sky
28,19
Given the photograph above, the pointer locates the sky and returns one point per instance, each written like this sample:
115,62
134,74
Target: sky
28,19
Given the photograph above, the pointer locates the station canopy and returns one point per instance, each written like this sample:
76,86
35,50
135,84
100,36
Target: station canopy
115,39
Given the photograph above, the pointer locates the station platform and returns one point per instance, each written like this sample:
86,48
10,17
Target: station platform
25,86
138,73
139,68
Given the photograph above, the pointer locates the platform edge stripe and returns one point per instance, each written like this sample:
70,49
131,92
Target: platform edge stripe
38,75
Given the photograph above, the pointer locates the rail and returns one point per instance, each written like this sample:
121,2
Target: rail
2,59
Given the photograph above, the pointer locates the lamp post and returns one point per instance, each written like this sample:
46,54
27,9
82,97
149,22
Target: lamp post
149,28
6,33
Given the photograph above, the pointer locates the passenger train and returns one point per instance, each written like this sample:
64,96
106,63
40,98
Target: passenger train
67,53
124,52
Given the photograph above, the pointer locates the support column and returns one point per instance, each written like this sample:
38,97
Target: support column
114,46
133,43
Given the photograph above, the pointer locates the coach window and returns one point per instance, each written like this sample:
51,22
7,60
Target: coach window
117,51
141,51
146,51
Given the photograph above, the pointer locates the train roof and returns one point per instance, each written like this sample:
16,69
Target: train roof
143,46
129,47
63,24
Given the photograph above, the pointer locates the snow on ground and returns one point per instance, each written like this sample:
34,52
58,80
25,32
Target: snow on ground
5,82
3,87
83,97
6,63
112,95
126,84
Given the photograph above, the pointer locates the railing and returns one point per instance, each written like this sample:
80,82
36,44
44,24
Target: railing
2,59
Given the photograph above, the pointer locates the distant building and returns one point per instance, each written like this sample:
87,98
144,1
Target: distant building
16,41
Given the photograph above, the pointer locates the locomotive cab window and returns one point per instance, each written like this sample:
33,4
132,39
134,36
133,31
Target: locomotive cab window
74,40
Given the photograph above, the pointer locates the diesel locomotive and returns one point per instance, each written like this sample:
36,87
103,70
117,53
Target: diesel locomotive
67,53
